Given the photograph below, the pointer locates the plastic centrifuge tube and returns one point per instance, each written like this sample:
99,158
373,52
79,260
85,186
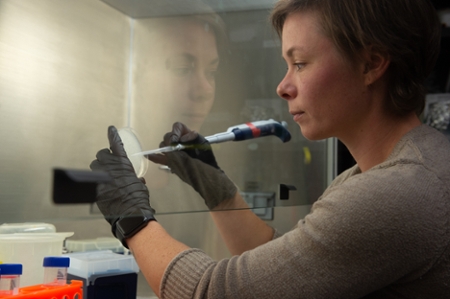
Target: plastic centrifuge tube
55,270
10,278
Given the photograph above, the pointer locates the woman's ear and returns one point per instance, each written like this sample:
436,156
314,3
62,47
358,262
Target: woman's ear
376,64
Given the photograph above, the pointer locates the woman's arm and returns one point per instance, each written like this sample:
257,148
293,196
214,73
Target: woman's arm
154,249
239,227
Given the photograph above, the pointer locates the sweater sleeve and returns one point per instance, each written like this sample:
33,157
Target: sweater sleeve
362,235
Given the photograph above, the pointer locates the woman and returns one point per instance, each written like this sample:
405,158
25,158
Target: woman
355,71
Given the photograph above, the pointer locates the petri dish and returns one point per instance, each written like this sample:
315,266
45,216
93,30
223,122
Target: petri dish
132,146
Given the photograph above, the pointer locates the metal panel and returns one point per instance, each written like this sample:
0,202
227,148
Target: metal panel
162,8
63,75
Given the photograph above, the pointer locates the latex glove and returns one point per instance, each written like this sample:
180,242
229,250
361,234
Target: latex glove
196,165
126,194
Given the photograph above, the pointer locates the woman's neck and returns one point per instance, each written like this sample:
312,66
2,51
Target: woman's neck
372,144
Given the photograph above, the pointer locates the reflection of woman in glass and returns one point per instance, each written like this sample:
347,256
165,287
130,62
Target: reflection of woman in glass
177,67
176,61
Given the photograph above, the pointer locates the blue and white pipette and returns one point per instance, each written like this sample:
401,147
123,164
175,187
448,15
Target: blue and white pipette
241,132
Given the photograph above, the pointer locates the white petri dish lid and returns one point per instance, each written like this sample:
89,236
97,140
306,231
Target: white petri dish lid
132,146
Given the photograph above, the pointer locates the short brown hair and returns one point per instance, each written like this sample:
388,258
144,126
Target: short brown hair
408,31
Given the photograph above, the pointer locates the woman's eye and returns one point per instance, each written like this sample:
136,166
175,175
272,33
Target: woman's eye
299,66
182,71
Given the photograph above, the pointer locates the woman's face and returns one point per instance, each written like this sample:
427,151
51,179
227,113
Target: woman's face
324,92
179,83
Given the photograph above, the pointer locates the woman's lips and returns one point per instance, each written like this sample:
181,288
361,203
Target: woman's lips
297,115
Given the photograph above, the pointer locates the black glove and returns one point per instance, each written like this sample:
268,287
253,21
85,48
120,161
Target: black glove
126,195
196,165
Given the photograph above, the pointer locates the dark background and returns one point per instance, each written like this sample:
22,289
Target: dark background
436,83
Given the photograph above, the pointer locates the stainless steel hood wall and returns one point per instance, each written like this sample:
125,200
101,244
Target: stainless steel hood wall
63,80
161,8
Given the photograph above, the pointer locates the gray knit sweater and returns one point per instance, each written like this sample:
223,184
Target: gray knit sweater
384,233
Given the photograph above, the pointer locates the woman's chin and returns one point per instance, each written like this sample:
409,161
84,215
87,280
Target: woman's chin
311,134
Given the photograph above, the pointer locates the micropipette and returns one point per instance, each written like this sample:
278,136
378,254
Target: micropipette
241,132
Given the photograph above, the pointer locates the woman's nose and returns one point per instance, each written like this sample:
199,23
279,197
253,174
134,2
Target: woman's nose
286,89
203,87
